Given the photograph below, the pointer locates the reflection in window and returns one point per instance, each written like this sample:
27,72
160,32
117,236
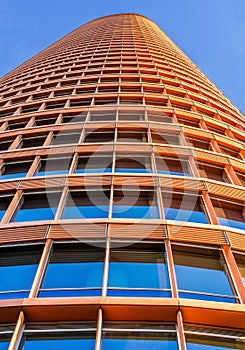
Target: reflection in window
131,136
136,163
213,339
11,170
5,336
37,206
17,270
185,207
171,166
165,138
240,260
202,275
213,172
147,337
230,213
138,271
74,270
94,163
135,204
62,337
53,166
86,204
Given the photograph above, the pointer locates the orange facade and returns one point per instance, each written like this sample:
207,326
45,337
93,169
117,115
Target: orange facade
123,163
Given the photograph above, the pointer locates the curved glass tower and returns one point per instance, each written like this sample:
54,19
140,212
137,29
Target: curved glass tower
122,186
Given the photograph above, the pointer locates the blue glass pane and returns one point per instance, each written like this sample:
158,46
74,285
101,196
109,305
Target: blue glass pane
60,344
131,344
85,212
218,298
70,293
35,214
172,173
138,275
137,212
202,280
192,346
15,295
2,212
185,215
128,170
232,223
4,345
74,275
17,277
49,173
139,293
12,176
98,170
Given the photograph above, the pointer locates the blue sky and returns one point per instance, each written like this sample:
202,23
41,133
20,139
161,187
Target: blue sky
210,32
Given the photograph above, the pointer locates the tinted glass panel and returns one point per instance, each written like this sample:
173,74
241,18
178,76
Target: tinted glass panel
203,274
138,273
74,270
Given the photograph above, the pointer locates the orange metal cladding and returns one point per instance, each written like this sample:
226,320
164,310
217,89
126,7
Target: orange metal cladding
123,81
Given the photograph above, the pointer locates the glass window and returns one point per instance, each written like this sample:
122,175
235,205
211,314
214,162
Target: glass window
18,267
185,207
29,142
86,204
74,118
11,170
171,166
138,337
240,260
62,337
134,204
135,163
99,136
5,336
213,339
74,269
159,117
45,121
202,274
4,203
102,116
4,145
128,116
53,166
230,213
94,163
138,271
213,172
37,206
165,138
131,136
13,126
63,138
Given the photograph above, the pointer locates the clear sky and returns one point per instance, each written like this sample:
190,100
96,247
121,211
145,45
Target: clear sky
210,32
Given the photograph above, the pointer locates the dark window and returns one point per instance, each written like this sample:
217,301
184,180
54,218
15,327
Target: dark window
63,138
4,203
99,136
74,118
165,138
202,274
131,136
53,166
37,206
171,166
11,170
13,126
86,204
45,121
230,213
135,163
18,267
102,116
74,269
29,142
202,144
4,145
94,163
184,207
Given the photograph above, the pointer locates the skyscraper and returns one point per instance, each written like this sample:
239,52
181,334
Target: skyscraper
122,197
